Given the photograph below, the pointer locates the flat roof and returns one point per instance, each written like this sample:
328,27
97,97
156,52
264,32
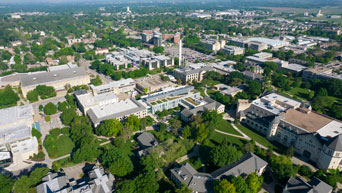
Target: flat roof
268,41
332,129
14,114
295,67
311,121
274,98
45,77
114,110
14,133
118,83
88,99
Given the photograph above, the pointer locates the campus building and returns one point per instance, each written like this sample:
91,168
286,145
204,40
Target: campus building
193,72
103,103
57,79
233,50
169,98
203,182
159,61
117,87
195,106
16,133
314,136
97,181
152,83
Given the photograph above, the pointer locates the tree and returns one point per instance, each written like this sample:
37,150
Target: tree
86,152
147,182
117,161
240,185
127,186
68,116
305,171
254,88
183,189
224,186
158,49
133,122
322,92
224,154
186,133
50,109
290,151
109,128
282,167
8,97
95,65
6,184
254,182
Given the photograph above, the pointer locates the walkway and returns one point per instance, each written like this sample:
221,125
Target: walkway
294,159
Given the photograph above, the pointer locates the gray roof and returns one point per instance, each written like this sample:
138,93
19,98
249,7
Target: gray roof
54,182
16,114
46,77
299,185
246,165
114,110
252,75
336,143
202,182
211,104
187,71
100,182
198,182
147,139
15,132
168,93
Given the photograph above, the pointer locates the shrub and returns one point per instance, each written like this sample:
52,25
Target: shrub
55,132
36,133
32,96
50,109
47,118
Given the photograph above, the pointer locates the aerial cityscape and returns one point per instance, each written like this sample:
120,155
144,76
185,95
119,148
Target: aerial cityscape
159,96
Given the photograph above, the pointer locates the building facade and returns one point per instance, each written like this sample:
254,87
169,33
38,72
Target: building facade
314,136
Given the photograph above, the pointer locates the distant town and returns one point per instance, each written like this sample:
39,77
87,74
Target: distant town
182,97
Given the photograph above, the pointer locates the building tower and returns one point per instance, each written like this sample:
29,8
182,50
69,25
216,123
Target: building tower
128,10
180,54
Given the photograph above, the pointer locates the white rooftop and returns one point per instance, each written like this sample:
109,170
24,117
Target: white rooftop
274,109
276,98
114,108
295,67
332,129
113,84
14,133
270,42
5,155
88,100
14,114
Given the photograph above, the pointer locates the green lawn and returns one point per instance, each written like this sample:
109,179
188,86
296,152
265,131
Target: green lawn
300,93
260,139
217,138
63,163
225,126
108,23
58,146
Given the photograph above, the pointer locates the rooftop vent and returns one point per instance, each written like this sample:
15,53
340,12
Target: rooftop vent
34,78
54,75
74,71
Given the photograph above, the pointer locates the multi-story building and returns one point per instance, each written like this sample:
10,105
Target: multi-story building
169,98
203,182
117,87
15,132
57,79
195,106
157,62
233,50
193,72
96,182
103,104
214,45
320,72
152,84
299,184
314,136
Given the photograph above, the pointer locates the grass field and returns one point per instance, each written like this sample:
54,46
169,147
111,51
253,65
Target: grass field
57,146
225,126
217,138
108,23
260,139
300,93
